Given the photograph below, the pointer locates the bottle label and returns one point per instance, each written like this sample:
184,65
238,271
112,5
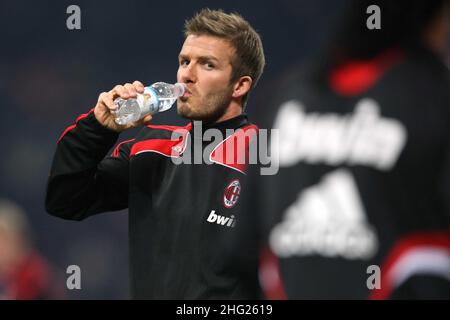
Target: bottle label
148,101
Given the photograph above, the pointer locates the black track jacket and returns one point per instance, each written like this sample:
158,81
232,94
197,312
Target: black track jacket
179,214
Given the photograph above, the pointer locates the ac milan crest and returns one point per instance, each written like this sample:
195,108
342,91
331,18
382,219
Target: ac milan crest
231,194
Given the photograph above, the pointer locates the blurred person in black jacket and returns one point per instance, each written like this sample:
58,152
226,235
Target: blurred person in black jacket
360,206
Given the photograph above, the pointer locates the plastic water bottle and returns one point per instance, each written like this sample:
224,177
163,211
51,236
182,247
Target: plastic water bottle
158,97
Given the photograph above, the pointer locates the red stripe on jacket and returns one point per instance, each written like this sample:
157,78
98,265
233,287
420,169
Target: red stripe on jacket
166,147
69,128
233,152
116,149
404,247
358,76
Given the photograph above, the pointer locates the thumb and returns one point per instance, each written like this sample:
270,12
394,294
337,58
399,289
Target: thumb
147,120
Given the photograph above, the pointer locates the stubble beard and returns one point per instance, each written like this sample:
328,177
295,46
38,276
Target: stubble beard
210,109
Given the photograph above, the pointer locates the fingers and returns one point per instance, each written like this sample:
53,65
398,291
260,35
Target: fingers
128,90
138,86
107,99
125,91
131,90
143,122
120,91
147,119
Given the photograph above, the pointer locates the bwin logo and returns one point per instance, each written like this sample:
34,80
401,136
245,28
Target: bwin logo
222,220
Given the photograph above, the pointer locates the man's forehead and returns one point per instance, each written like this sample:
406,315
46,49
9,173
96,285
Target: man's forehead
204,45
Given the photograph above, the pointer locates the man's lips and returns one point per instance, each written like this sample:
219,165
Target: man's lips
187,93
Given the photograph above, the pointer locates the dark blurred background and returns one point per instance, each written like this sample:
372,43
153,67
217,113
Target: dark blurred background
49,75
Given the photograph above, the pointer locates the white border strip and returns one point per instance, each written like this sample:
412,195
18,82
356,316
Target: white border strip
421,260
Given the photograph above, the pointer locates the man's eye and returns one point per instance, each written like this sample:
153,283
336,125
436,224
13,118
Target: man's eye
184,62
209,65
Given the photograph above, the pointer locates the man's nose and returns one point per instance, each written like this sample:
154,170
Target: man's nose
187,74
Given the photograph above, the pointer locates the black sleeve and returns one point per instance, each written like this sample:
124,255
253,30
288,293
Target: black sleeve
423,287
435,285
82,181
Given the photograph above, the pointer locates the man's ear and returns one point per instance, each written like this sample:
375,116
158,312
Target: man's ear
242,86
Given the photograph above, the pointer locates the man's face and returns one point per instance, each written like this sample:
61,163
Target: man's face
205,67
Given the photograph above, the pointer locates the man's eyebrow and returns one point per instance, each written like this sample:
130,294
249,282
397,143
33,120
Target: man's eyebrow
201,58
208,58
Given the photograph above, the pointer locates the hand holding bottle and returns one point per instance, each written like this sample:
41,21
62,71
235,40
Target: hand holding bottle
158,97
105,108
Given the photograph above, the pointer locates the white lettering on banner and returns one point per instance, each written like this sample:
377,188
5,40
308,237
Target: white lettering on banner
360,138
327,219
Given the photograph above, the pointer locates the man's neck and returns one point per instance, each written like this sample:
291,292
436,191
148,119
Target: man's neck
233,110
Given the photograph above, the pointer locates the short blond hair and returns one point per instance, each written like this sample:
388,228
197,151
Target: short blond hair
249,57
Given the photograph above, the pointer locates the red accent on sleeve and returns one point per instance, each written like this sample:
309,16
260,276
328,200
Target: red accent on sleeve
399,250
358,76
116,149
84,115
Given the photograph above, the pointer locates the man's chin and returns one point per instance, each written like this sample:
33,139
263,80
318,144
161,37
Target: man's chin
184,111
189,115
